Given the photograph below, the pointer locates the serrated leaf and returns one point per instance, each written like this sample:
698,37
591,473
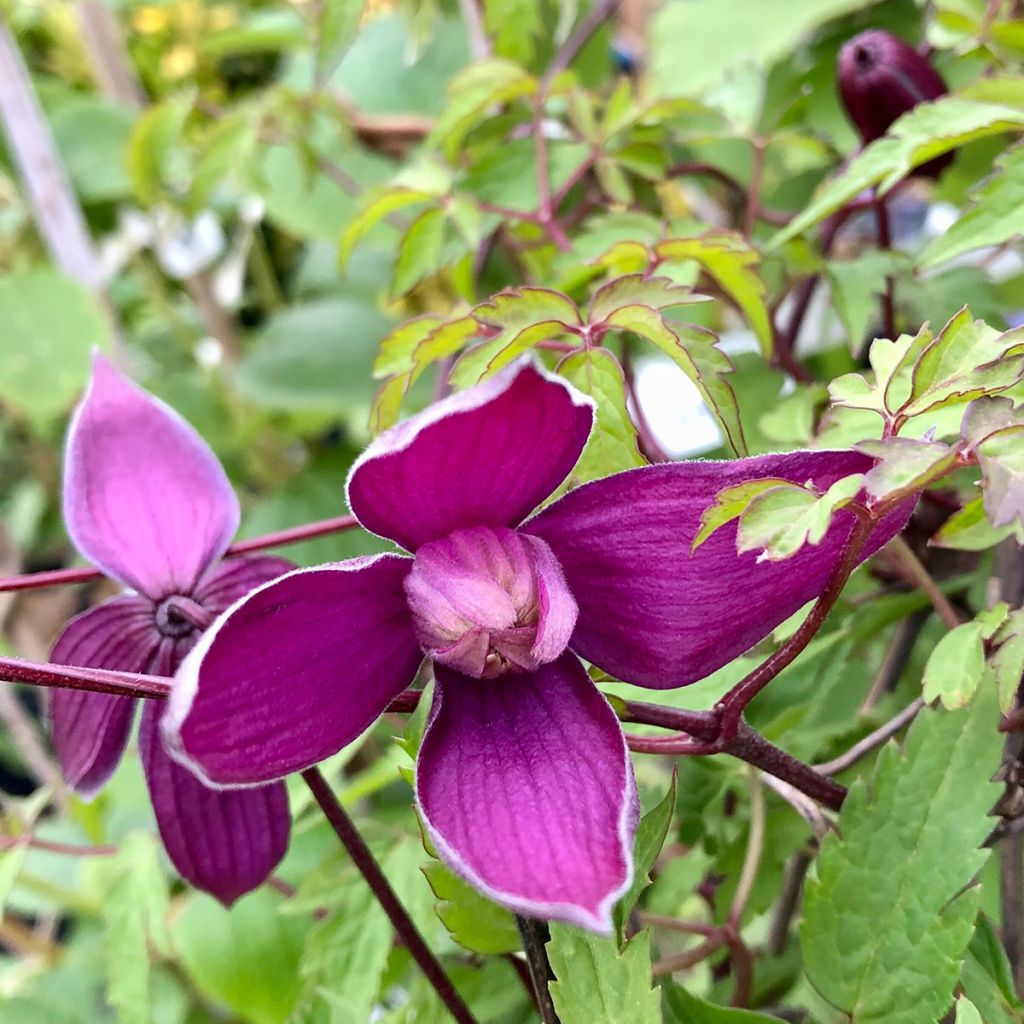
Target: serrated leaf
987,976
694,350
730,504
728,258
996,214
637,290
927,131
955,667
134,905
686,1008
420,251
598,985
856,285
376,206
780,520
396,350
904,465
1007,661
612,446
969,529
887,916
473,921
1001,457
651,833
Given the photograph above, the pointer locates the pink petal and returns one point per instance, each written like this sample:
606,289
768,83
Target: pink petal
231,579
293,671
223,842
90,730
483,457
651,613
144,497
527,791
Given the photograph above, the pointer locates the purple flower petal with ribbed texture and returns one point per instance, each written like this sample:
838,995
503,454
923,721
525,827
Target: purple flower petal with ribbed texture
144,497
223,842
90,730
484,457
527,791
294,671
651,613
229,580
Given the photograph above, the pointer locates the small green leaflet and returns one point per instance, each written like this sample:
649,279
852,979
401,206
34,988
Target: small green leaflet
956,666
969,529
904,465
472,920
650,838
684,1008
1007,661
514,25
887,916
856,285
987,976
612,445
967,1012
338,24
596,984
1001,456
730,504
377,204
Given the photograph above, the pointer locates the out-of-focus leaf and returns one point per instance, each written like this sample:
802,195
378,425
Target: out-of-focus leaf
969,529
684,1008
472,920
151,146
247,958
11,863
694,350
92,136
316,357
1007,661
996,214
376,206
928,131
419,254
730,261
1001,456
257,32
48,327
856,286
598,985
507,177
987,977
887,916
514,25
612,446
134,905
337,27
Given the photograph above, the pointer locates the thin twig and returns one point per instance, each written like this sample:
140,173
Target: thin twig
885,244
915,572
476,35
752,858
68,849
872,741
403,924
22,733
800,802
535,935
788,902
578,38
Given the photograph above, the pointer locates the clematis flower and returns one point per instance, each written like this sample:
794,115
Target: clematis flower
523,779
148,502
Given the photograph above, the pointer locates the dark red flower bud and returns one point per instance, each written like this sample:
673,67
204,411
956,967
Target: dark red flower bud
880,79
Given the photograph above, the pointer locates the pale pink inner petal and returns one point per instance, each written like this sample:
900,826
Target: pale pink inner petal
483,457
144,497
527,791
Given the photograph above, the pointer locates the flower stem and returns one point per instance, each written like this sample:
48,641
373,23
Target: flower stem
71,677
368,867
535,935
87,573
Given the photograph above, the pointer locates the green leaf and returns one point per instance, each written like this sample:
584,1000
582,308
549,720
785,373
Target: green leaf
856,286
651,833
987,976
598,985
245,957
338,24
12,861
92,135
730,504
473,921
969,529
514,25
927,131
966,1012
730,261
887,917
955,667
637,290
49,325
694,350
904,465
377,205
153,144
315,357
780,520
1001,457
612,446
1007,661
420,252
688,1009
134,905
996,215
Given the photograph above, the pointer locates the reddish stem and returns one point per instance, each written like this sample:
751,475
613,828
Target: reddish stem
87,573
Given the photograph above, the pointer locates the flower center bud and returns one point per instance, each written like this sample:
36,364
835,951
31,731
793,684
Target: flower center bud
489,601
178,616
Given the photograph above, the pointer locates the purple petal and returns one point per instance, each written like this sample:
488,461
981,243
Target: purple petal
90,730
144,497
483,457
233,578
293,671
223,842
527,792
651,613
